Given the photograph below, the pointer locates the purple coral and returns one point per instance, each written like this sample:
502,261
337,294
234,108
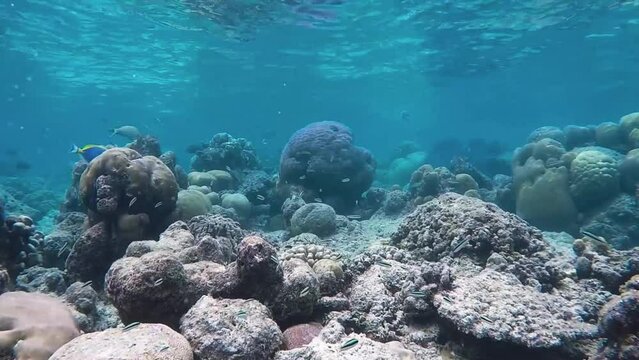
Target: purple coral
322,157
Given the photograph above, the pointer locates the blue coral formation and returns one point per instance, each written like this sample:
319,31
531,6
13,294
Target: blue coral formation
322,158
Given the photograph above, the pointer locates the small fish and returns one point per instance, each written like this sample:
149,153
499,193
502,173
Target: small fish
417,294
354,217
320,190
127,131
338,257
23,165
88,283
241,314
384,263
165,347
460,246
590,236
260,197
132,202
349,344
131,326
486,319
88,152
64,247
305,291
158,205
317,200
158,282
302,177
447,299
345,180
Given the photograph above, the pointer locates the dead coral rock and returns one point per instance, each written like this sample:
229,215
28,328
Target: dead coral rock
434,229
92,254
145,341
220,329
329,345
34,325
454,225
497,306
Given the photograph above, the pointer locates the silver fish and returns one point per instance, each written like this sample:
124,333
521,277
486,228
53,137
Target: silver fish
133,201
302,177
590,236
460,246
88,283
345,180
305,292
158,205
131,326
64,247
158,282
354,217
260,197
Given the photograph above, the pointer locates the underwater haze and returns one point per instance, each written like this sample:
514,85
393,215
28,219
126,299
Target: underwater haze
261,69
319,179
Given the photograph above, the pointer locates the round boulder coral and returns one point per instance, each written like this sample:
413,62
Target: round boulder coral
594,178
321,157
191,203
315,218
149,288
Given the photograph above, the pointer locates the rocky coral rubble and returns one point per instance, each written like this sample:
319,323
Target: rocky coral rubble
496,306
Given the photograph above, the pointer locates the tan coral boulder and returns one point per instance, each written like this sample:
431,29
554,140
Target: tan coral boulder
34,325
142,342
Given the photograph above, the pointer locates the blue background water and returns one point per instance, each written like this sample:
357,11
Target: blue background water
497,70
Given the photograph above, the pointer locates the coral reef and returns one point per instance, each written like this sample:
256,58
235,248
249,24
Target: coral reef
322,158
129,198
20,244
225,152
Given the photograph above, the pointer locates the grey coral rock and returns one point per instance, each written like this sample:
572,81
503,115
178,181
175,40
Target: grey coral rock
454,225
496,306
220,329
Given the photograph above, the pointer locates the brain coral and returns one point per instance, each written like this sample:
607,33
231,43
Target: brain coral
594,177
322,157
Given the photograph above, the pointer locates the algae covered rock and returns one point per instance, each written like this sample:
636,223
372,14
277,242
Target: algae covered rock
220,329
144,341
149,288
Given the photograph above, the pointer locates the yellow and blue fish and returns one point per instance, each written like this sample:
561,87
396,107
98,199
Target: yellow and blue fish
88,152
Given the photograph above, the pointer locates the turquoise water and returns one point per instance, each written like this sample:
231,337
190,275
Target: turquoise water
391,70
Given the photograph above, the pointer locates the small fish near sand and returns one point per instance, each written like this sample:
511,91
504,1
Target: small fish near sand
127,131
88,152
